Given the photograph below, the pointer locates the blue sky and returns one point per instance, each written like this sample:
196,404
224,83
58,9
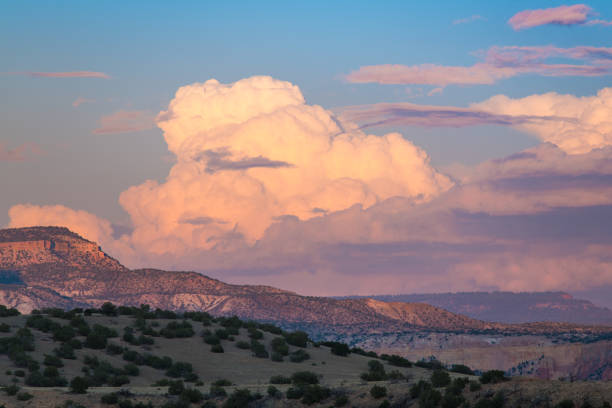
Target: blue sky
150,49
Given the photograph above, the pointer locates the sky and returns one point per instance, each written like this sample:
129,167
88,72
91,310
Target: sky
326,148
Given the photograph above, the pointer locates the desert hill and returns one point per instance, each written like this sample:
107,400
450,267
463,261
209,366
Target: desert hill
510,307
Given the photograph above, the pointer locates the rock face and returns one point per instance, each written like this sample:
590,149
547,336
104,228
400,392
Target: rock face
54,267
509,307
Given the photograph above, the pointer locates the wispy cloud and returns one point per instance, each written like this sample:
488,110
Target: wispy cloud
469,19
72,74
124,121
497,63
22,152
80,100
577,14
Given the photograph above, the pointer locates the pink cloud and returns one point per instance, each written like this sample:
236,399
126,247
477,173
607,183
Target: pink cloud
498,63
80,100
22,152
467,20
74,74
124,121
578,14
562,15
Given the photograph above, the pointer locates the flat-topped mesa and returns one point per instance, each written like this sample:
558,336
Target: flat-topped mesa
21,247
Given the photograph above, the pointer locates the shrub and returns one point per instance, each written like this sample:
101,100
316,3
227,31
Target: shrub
212,339
294,393
429,398
109,398
5,328
24,396
451,400
78,385
191,395
131,369
65,351
222,382
475,386
280,379
216,348
273,391
378,391
11,390
176,387
314,394
243,345
417,389
566,403
440,378
341,400
255,334
223,334
275,356
304,377
298,356
462,369
493,377
337,348
376,371
179,369
216,391
96,341
396,360
108,309
239,399
297,338
258,349
279,345
177,330
396,375
52,361
114,349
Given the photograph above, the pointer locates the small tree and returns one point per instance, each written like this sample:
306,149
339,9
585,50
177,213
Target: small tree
440,378
378,391
78,385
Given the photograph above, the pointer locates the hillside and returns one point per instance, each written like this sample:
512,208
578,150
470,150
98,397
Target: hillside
45,267
139,358
510,307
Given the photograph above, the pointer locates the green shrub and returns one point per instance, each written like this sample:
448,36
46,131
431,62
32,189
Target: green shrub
462,369
255,334
216,391
376,371
176,387
52,361
295,393
239,399
429,398
280,346
222,382
273,391
179,369
378,391
275,356
24,396
304,377
109,399
223,334
337,348
65,351
5,328
11,390
131,369
396,360
19,373
341,400
475,386
297,338
566,403
96,341
280,379
313,394
212,339
298,356
451,400
243,345
78,385
216,348
258,349
440,378
385,404
493,377
191,395
396,375
419,388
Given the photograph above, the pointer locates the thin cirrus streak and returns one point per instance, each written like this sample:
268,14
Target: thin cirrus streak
124,121
408,114
22,152
577,14
71,74
497,63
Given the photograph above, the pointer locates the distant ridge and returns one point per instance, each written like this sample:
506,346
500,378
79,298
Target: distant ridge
52,265
511,307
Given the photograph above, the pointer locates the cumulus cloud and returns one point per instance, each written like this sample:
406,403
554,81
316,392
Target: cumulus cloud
267,189
586,123
563,15
498,63
252,152
22,152
124,122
